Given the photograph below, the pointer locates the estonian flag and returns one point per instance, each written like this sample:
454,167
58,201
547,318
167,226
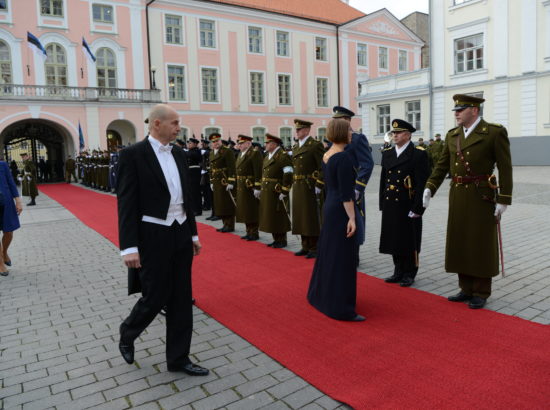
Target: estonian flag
87,51
36,45
80,136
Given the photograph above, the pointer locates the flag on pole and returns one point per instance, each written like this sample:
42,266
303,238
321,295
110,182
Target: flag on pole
36,45
86,49
80,136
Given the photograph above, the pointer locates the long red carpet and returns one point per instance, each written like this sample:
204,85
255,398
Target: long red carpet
416,350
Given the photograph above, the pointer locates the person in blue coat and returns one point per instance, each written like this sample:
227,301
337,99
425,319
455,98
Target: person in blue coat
361,156
10,208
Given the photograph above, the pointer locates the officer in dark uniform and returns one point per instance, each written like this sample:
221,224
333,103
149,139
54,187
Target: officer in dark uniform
405,169
113,169
194,159
206,191
222,178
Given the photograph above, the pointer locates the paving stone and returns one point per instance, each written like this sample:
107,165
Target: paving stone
224,383
216,401
180,399
126,389
287,387
256,385
93,388
302,397
151,394
48,402
85,402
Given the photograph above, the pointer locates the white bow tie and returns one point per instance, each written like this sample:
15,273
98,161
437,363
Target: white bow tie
167,148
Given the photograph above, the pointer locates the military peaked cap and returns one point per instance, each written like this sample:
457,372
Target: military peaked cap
243,138
401,125
215,136
193,140
464,101
340,112
272,138
299,124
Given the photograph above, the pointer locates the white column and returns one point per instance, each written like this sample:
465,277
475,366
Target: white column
439,108
500,103
528,36
225,69
138,59
92,127
500,37
344,72
193,69
546,4
437,46
528,98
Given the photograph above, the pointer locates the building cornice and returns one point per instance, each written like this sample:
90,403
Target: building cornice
468,24
526,76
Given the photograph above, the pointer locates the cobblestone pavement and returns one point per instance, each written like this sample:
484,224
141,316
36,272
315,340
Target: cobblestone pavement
66,295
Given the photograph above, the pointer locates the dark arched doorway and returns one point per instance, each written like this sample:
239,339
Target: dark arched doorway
43,140
114,140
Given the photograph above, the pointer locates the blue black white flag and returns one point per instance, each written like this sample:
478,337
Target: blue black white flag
36,45
80,137
87,50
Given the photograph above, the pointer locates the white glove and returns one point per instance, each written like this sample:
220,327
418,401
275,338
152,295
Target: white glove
413,215
426,197
317,191
357,195
229,187
257,193
499,210
211,187
282,197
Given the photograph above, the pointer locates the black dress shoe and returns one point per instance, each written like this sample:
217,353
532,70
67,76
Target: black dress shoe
127,351
406,282
192,301
245,237
225,230
393,279
311,255
253,237
279,245
357,318
477,302
32,203
190,368
163,311
215,218
220,229
301,252
271,244
459,297
209,218
7,263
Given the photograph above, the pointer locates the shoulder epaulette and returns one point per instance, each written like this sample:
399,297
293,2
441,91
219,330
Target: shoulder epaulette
420,148
494,124
387,149
453,129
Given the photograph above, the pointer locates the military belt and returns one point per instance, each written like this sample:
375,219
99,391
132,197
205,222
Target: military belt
244,177
299,177
270,180
218,170
468,179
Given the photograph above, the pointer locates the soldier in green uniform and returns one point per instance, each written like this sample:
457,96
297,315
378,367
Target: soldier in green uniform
436,149
249,175
470,153
70,170
307,155
222,179
421,143
29,179
276,183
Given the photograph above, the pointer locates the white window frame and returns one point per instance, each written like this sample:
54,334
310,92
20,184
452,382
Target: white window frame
416,120
380,68
400,53
482,47
63,9
218,91
366,53
288,44
103,5
319,137
165,39
211,127
327,96
185,88
214,38
326,49
44,20
261,40
291,96
7,8
290,136
261,139
250,72
379,118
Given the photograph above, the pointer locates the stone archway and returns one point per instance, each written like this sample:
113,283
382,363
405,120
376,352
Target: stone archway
123,131
46,142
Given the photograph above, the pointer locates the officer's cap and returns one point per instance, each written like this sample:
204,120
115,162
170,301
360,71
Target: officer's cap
225,143
299,124
205,141
215,136
193,140
272,138
231,142
401,125
464,101
243,138
340,112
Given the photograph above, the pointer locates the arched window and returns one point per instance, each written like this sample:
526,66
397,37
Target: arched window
106,69
5,68
56,65
258,134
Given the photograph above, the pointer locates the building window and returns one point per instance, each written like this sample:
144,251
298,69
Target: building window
52,8
106,68
3,4
56,65
282,44
284,89
183,134
383,112
322,92
321,133
320,49
208,33
256,88
258,134
209,85
255,40
383,58
412,113
469,53
362,55
102,13
211,130
286,136
173,29
176,82
403,60
5,63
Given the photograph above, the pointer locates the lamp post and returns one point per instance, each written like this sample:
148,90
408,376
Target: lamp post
153,71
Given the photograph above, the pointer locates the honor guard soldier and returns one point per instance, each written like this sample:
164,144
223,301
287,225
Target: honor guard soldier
222,179
436,149
113,169
405,169
29,187
206,191
476,200
70,170
307,156
276,183
194,159
249,176
361,154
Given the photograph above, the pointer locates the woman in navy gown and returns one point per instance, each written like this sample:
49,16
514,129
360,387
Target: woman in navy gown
10,208
333,285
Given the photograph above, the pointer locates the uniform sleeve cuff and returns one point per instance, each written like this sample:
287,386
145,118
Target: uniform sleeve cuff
128,251
195,238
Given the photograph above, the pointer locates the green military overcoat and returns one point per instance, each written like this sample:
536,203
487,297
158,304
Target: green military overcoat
435,151
307,163
472,247
276,179
222,173
249,176
29,187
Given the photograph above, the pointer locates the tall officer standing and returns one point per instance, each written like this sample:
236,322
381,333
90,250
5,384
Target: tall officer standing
222,180
405,169
476,201
194,159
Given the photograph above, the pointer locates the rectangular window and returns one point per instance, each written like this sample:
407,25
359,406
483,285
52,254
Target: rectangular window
209,85
286,135
255,40
362,55
3,4
469,54
258,134
321,133
282,44
284,89
403,60
208,33
256,88
51,8
322,92
173,25
211,130
320,49
412,113
102,13
176,82
383,112
383,58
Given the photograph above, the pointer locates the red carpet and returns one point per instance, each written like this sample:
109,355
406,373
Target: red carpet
416,350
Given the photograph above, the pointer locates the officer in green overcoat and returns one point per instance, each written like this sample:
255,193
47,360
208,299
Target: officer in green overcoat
29,187
307,156
222,180
476,199
249,175
436,149
276,183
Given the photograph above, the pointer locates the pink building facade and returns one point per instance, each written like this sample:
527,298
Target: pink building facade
236,69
